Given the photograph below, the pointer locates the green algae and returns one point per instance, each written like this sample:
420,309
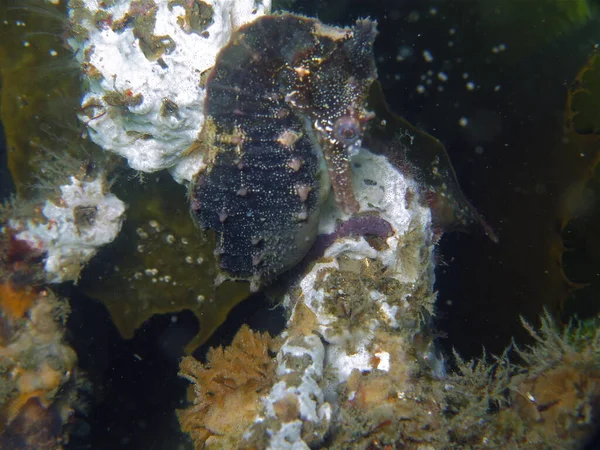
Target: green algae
539,397
524,27
39,99
160,263
583,113
580,221
40,90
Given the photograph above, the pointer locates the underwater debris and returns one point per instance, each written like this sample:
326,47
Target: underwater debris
227,389
275,115
140,55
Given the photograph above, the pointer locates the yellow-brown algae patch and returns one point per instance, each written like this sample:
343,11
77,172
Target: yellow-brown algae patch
227,389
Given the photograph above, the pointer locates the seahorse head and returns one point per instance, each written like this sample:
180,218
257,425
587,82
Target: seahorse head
343,69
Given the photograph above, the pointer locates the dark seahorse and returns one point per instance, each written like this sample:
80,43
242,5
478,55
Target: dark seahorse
284,112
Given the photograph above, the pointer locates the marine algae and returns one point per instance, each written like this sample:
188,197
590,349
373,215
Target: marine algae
45,147
159,263
227,389
40,87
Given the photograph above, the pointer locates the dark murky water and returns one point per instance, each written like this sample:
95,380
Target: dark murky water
492,87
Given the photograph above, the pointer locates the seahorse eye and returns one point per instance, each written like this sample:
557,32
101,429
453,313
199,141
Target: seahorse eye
346,130
349,133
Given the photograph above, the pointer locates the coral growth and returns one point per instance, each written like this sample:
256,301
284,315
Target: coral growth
227,389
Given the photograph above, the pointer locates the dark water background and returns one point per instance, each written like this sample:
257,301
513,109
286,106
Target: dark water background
482,292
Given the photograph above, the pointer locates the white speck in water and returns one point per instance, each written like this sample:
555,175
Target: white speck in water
427,56
499,48
404,52
470,86
442,76
463,121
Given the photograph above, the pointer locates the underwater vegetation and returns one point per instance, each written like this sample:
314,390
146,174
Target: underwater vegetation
548,399
177,286
228,389
309,186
